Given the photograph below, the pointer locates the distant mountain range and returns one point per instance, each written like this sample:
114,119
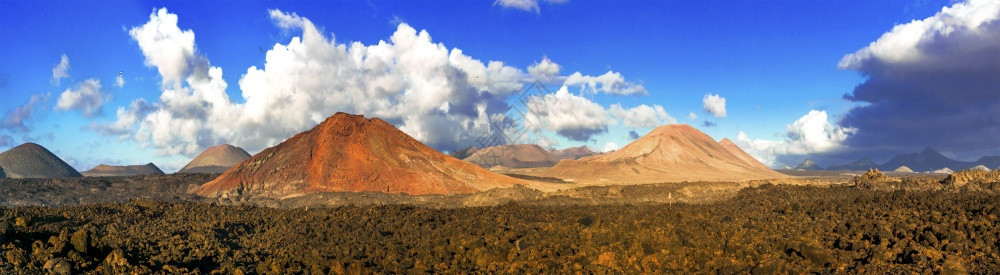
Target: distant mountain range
927,160
807,165
862,164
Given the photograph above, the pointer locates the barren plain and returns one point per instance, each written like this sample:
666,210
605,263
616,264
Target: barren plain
810,223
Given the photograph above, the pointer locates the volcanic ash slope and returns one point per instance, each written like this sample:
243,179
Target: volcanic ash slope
217,159
31,160
671,153
123,171
349,153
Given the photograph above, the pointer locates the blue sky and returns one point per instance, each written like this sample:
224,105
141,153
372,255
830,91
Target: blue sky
773,62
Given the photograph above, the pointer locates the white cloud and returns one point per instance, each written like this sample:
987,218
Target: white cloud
61,70
569,115
692,116
127,119
525,5
87,98
919,41
812,133
16,120
714,105
610,82
120,80
610,146
545,70
642,116
439,96
546,142
167,48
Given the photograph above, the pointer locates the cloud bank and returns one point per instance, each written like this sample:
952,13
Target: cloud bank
438,95
930,82
811,134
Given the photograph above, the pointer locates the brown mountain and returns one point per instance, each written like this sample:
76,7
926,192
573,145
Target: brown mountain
349,153
739,153
31,160
217,159
512,156
122,171
571,153
671,153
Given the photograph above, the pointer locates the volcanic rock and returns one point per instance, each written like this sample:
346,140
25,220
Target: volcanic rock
31,160
980,168
571,153
961,178
903,169
513,156
861,164
2,174
671,153
121,171
807,165
349,153
217,159
464,153
926,160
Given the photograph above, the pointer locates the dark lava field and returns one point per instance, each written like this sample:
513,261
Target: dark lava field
761,230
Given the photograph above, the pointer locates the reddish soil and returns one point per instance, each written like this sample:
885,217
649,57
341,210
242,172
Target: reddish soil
350,153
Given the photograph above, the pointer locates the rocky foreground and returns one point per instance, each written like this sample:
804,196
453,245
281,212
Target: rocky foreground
764,229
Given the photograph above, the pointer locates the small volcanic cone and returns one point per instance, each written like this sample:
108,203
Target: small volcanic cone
349,153
903,169
572,153
671,153
217,159
123,171
512,156
31,160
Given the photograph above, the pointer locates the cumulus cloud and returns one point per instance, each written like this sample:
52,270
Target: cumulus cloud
127,119
86,98
545,70
525,5
930,82
546,142
439,96
642,116
120,80
633,135
692,116
714,105
610,146
610,82
168,48
810,134
61,70
709,124
16,120
569,115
